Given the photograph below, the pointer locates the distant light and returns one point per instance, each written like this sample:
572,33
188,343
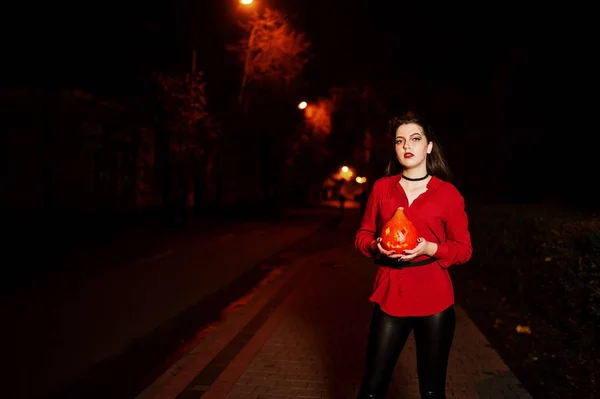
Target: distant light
361,179
246,2
303,104
345,169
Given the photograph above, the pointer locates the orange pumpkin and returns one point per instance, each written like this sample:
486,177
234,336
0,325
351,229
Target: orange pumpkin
399,233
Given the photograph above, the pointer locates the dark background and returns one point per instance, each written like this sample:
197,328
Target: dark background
509,87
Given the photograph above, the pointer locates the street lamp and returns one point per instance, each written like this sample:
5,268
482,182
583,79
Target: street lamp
346,173
302,105
247,57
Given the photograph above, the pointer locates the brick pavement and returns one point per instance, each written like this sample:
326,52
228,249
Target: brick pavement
312,345
97,318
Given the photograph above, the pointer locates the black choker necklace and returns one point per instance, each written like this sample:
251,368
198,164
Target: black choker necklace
417,179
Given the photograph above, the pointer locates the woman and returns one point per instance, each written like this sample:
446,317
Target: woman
412,289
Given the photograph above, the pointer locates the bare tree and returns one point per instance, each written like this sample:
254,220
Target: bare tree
274,53
184,101
189,141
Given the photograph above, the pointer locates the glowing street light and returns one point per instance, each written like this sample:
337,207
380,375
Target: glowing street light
346,173
246,2
302,105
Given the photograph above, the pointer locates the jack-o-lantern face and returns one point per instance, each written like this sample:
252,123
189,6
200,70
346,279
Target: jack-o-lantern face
399,233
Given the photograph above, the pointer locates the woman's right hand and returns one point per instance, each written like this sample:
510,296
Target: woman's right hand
378,248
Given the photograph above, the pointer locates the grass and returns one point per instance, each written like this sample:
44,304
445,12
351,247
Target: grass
537,266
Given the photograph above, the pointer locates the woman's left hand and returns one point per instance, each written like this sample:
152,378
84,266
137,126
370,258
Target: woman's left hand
421,249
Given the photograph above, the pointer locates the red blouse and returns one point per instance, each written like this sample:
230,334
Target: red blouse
439,216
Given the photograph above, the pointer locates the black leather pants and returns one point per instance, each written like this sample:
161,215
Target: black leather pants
387,336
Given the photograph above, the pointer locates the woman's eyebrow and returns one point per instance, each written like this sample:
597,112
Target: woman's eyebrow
412,134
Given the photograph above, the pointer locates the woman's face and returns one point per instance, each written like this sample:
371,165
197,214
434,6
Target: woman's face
412,146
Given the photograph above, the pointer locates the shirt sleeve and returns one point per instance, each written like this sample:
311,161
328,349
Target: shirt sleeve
368,226
457,248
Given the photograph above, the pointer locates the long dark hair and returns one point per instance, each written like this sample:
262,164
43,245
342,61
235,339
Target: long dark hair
436,162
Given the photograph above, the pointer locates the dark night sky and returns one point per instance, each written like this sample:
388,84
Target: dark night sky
534,60
108,46
353,39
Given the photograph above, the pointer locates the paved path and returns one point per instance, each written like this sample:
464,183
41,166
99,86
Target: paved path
57,327
304,337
